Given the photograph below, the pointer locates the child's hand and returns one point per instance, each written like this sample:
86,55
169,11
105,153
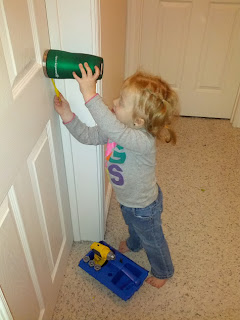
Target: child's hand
63,108
88,81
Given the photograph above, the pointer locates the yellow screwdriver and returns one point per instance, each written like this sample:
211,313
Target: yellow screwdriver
56,90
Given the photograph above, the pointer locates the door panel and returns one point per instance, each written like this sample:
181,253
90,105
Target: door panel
166,60
15,277
194,45
20,32
35,224
29,226
211,75
43,173
6,91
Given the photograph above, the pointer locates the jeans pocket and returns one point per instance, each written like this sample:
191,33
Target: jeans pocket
144,213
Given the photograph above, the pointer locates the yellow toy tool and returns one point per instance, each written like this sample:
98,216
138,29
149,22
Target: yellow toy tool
101,254
56,90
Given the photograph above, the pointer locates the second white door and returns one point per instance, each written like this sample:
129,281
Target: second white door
194,45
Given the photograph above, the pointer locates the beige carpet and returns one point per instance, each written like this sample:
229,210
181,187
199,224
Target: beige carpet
200,179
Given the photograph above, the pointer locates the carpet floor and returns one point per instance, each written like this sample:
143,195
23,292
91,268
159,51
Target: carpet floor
200,180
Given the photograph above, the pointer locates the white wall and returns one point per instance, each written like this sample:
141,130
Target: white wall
113,43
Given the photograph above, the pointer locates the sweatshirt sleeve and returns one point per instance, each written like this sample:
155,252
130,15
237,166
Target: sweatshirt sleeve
137,140
85,134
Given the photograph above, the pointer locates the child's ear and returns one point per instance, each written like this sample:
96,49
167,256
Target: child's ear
139,122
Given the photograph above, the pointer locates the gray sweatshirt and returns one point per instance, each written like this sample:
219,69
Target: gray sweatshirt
130,154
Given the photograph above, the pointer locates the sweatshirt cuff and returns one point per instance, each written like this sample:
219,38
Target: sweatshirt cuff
91,98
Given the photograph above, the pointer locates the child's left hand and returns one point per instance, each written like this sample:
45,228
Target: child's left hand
88,81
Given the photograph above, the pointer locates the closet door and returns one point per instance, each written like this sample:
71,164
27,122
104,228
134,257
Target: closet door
35,226
192,44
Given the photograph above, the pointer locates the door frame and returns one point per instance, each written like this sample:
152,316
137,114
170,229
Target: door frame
95,230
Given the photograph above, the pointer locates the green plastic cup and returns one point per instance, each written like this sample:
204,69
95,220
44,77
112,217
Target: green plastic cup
59,64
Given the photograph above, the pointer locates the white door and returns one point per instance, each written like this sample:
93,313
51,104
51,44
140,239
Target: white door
194,45
35,225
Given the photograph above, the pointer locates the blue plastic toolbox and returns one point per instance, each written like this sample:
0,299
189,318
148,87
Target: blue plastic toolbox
122,276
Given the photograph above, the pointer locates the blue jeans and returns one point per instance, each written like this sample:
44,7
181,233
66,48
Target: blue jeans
145,229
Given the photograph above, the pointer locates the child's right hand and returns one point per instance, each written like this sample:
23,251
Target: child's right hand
87,83
63,108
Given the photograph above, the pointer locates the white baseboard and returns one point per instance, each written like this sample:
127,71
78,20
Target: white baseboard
107,203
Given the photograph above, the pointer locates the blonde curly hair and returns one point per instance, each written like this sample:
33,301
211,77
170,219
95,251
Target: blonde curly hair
155,102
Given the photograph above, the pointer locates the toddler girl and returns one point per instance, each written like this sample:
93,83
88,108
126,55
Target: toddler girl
139,116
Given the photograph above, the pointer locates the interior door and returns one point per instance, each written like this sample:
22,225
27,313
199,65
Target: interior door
194,45
35,224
